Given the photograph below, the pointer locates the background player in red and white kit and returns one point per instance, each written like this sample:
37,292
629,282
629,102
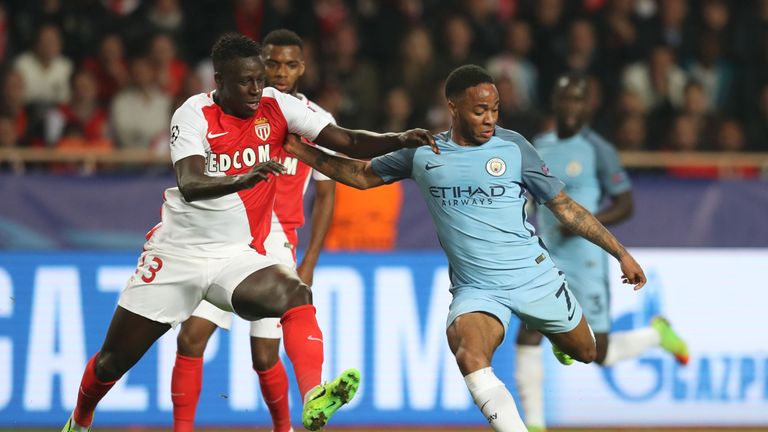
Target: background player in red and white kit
210,244
284,60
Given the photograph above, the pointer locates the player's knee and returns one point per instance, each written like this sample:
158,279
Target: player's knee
190,345
107,367
297,293
264,360
470,361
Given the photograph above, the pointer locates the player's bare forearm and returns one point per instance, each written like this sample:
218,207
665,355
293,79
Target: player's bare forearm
576,218
361,144
322,214
351,172
194,185
619,210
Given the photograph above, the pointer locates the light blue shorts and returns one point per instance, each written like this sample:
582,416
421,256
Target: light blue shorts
548,307
588,279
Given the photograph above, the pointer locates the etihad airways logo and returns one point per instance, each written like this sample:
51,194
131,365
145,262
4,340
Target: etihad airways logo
450,196
246,158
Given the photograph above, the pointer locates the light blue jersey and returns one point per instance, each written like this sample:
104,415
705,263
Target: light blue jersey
590,168
475,195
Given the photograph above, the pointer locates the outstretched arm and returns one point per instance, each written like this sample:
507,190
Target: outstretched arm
580,221
351,172
363,144
322,214
195,185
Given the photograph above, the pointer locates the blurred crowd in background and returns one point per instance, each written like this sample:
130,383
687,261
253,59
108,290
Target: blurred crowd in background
676,75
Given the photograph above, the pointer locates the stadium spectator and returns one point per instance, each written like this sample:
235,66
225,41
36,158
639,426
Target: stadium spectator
683,134
513,63
9,140
397,114
730,136
83,114
712,70
140,113
630,133
581,55
169,70
548,22
514,114
671,27
618,30
415,70
485,24
758,122
355,75
45,70
13,104
658,81
457,41
109,66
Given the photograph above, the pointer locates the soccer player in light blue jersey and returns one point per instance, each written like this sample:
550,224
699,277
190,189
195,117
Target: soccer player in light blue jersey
590,168
475,190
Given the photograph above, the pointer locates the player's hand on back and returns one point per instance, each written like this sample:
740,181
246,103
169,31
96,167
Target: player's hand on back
261,172
292,141
631,272
418,137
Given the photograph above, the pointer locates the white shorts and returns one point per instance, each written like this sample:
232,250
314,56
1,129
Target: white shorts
168,286
281,251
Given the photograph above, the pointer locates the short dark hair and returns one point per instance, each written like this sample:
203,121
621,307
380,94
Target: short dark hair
283,37
231,46
465,77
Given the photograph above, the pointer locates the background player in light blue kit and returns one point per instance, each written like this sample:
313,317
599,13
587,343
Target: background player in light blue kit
475,193
590,168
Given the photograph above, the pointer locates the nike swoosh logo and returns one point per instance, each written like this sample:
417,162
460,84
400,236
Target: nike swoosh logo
312,338
430,167
212,135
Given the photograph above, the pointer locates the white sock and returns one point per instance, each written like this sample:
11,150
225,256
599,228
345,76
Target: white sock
529,376
630,344
494,401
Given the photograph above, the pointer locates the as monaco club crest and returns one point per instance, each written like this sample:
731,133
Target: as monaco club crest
261,127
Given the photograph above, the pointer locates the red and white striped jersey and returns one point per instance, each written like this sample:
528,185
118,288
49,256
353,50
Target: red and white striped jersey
288,215
231,146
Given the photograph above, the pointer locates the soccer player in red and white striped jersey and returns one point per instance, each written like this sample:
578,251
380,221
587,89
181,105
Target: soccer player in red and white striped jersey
284,60
210,245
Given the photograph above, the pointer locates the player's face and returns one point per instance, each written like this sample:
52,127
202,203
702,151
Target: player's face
571,106
284,66
239,86
475,114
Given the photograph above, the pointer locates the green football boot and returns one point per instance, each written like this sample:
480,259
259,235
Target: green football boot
670,340
326,399
562,357
70,427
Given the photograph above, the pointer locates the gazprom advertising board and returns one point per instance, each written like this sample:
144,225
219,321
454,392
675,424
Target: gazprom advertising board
385,314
